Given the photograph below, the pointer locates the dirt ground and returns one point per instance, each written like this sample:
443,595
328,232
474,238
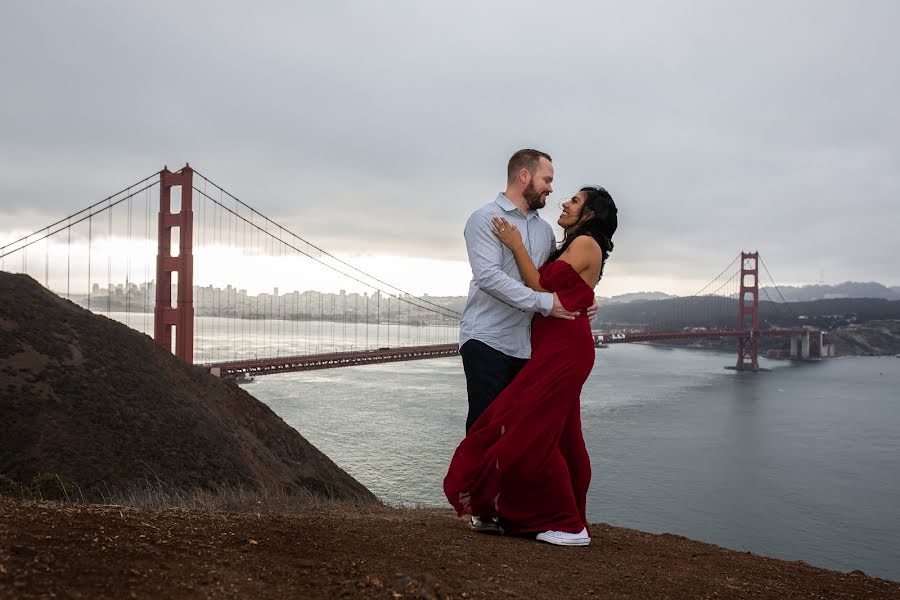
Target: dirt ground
50,549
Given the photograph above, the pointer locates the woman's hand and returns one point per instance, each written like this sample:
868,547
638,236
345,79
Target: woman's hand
507,233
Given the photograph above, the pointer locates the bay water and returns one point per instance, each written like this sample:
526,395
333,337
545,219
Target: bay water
801,462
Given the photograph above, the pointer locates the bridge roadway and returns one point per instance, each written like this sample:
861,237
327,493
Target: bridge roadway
605,337
237,370
287,364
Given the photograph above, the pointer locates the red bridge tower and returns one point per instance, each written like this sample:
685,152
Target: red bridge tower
181,315
748,310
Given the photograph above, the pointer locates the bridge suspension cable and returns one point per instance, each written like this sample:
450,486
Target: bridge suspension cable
68,219
784,303
714,279
325,252
420,303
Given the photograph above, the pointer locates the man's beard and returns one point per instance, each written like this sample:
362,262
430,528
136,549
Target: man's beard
534,200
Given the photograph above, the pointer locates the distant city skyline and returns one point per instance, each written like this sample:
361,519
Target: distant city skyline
279,304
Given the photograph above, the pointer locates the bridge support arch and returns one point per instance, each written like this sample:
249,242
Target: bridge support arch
748,313
181,315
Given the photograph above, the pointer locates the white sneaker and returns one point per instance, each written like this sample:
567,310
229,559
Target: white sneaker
561,538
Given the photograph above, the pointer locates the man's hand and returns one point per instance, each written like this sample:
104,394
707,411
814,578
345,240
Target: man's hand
559,311
592,311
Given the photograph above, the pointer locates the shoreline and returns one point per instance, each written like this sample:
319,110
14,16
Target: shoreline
762,355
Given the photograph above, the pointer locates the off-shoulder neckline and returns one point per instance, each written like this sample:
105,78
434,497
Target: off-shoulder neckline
571,268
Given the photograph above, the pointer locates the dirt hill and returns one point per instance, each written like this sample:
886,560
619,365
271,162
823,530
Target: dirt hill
102,406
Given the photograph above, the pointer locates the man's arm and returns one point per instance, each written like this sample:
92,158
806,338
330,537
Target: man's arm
485,256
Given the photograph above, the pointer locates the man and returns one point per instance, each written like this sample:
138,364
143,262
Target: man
495,329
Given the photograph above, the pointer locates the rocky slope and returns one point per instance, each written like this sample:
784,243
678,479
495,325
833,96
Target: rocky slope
875,338
103,407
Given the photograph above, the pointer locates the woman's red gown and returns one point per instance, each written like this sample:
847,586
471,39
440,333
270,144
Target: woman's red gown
524,459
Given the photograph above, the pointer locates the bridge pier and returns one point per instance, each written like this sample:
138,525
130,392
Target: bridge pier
800,346
810,345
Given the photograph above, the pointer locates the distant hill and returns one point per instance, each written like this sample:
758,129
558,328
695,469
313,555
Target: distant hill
676,314
634,297
100,405
804,293
848,289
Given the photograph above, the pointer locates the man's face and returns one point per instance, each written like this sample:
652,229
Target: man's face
540,185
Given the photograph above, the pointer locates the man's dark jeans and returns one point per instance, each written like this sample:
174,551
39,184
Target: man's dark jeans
488,372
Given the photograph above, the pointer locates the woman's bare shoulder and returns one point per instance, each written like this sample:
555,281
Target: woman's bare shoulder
585,244
583,253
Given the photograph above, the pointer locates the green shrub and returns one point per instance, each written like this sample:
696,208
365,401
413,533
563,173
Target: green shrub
45,486
9,488
50,487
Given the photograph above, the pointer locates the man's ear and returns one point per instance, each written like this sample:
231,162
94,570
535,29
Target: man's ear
524,176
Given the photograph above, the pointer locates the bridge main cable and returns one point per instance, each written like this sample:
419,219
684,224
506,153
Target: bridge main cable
72,216
323,251
777,289
71,224
714,279
442,311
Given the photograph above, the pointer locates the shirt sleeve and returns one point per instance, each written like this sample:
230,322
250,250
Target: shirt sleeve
485,257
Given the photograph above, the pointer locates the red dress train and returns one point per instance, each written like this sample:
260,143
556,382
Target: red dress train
524,459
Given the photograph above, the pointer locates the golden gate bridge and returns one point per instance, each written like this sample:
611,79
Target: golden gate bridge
142,242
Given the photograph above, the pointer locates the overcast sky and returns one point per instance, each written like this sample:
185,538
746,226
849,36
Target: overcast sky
375,128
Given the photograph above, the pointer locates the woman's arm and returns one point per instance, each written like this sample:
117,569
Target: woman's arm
510,237
486,257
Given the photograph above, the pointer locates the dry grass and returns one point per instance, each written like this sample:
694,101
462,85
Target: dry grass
155,494
225,497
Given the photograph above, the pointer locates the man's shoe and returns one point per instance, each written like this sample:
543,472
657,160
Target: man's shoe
561,538
486,525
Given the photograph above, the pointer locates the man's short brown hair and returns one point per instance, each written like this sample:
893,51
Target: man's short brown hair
526,158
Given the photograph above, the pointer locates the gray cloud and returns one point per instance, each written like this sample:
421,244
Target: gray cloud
379,126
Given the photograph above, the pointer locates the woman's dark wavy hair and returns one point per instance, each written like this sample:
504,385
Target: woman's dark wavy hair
601,225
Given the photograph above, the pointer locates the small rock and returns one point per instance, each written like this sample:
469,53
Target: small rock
23,550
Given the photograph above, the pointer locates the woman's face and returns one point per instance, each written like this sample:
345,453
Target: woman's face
571,211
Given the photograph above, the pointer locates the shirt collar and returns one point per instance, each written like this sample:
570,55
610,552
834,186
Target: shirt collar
507,205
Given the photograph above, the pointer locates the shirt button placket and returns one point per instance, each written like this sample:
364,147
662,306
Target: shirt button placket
527,237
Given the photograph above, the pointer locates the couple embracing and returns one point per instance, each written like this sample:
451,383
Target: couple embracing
527,349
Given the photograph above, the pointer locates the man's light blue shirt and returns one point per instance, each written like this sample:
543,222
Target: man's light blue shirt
499,308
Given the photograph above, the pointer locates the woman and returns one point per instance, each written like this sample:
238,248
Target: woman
524,459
